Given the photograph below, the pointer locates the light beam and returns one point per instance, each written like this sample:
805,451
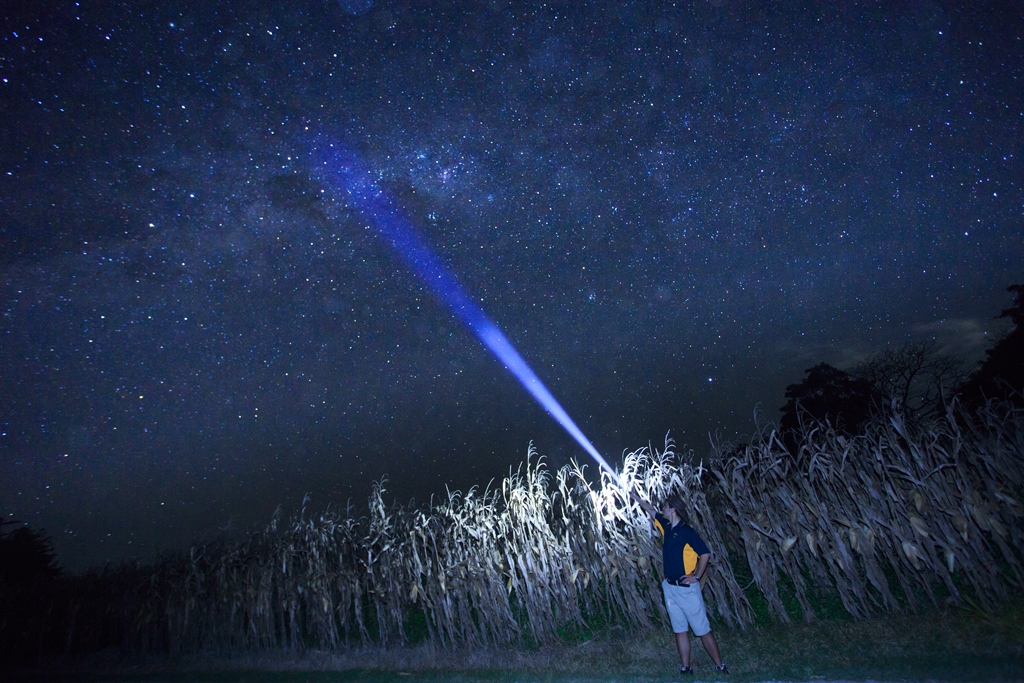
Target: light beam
343,170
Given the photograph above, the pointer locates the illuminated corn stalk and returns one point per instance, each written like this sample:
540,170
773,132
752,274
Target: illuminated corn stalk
537,560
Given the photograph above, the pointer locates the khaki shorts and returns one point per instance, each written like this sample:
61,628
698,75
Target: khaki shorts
686,609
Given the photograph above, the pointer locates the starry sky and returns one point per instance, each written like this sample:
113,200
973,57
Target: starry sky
671,209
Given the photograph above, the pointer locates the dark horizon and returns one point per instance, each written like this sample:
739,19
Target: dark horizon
670,212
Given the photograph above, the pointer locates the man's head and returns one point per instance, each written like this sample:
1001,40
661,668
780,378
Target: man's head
675,504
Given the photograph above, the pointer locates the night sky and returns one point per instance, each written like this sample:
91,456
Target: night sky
671,209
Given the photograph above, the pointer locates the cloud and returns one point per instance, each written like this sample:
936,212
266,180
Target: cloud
966,337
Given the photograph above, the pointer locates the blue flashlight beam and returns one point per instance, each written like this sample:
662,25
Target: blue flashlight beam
343,170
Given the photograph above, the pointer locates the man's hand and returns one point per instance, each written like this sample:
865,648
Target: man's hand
702,566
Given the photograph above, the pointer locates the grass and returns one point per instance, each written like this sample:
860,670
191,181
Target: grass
953,645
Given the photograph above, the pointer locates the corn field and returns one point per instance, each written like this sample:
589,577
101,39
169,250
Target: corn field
900,517
897,519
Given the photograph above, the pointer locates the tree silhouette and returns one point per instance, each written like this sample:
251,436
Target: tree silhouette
827,394
1001,374
915,375
28,569
26,555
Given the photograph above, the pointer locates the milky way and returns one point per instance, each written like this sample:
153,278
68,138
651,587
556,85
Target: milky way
670,210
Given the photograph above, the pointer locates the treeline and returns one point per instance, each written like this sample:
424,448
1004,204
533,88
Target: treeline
913,506
915,378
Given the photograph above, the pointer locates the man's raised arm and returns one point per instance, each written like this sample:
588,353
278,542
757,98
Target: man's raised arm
646,505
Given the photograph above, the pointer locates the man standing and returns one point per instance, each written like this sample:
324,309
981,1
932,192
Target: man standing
685,557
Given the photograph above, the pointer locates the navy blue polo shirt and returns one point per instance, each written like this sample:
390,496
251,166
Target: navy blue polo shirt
681,549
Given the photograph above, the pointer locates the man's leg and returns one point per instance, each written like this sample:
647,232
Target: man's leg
711,645
698,620
683,645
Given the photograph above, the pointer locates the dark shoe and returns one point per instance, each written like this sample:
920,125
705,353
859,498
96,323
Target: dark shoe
724,669
686,670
